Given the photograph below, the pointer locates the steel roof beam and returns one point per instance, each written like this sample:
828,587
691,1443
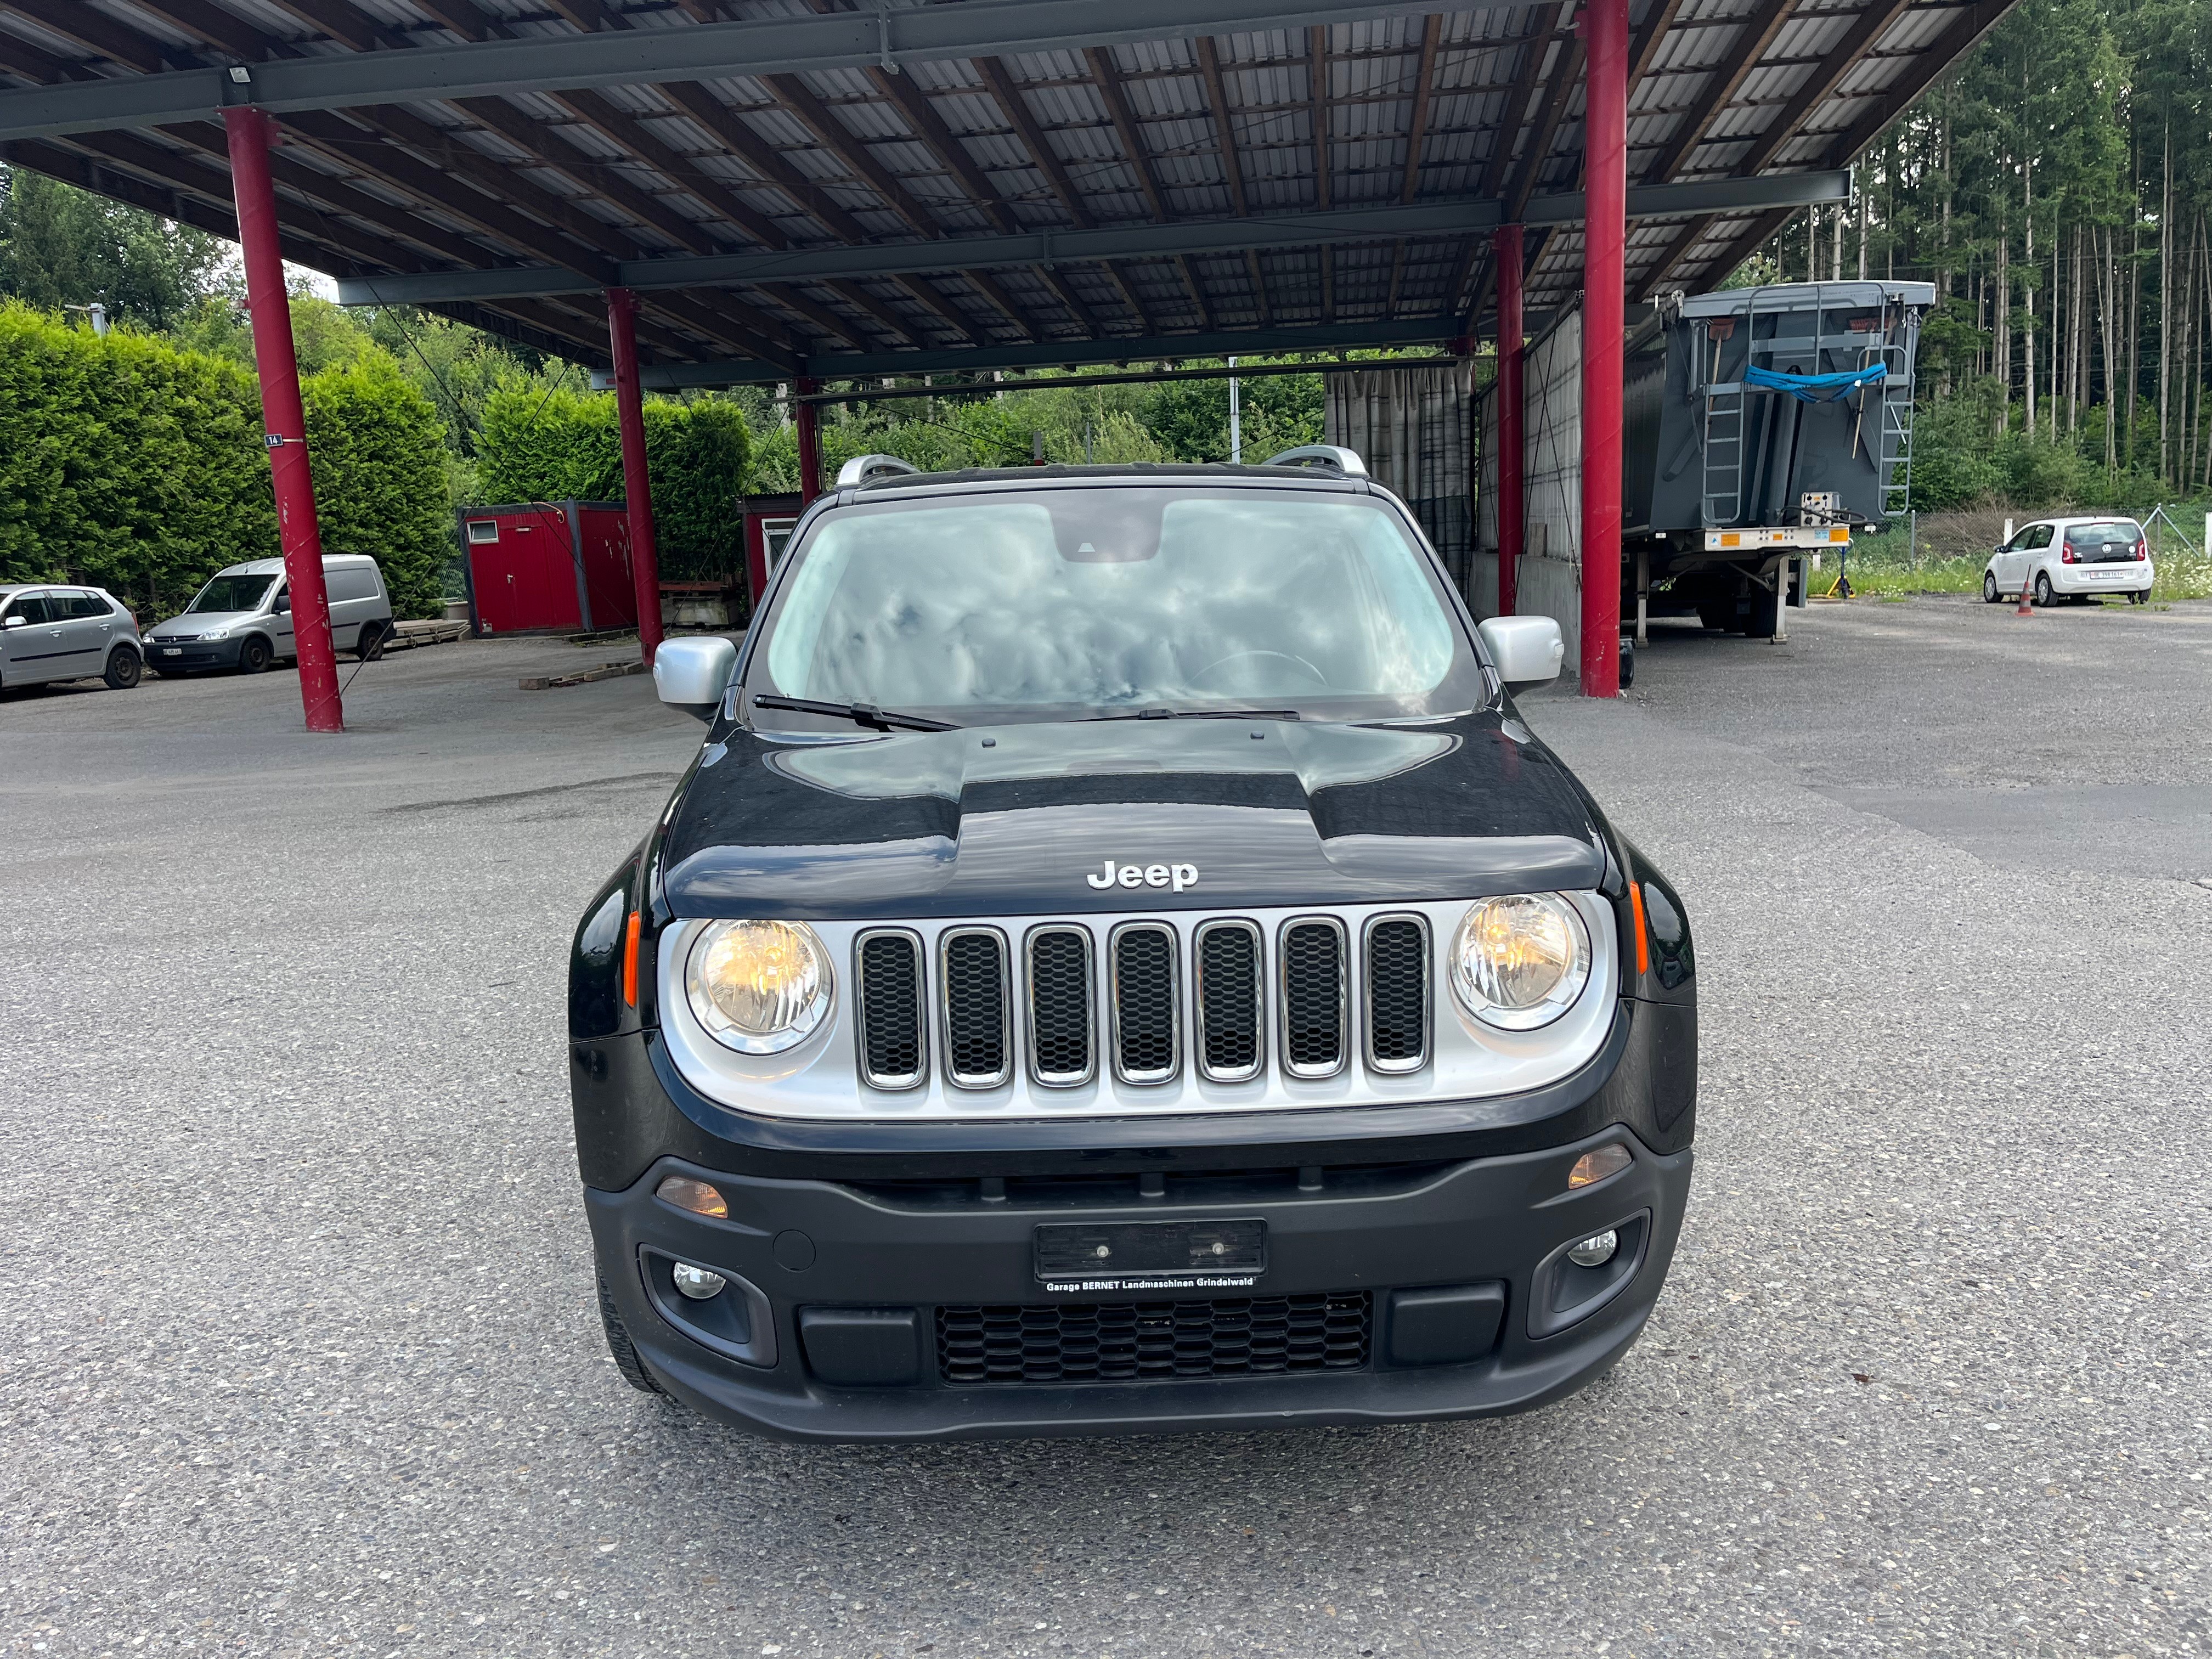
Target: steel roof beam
781,45
1054,354
1273,231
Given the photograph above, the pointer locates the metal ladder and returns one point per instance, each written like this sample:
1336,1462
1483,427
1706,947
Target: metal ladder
1722,501
1893,459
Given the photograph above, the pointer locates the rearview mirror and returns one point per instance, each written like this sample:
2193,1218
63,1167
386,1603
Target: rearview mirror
1528,650
692,674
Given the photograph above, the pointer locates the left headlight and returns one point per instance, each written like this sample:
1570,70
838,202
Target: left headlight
216,634
758,986
1519,962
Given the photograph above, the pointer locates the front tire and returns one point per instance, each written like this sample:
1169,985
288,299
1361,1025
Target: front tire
618,1344
124,668
253,655
1990,594
2045,595
369,646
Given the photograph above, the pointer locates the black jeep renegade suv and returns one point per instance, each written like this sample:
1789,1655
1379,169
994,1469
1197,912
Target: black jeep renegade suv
1119,961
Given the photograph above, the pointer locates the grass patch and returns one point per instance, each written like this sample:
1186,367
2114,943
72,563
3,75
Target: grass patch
1887,565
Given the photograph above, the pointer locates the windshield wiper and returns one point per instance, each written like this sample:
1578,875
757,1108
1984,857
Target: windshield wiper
1203,715
861,714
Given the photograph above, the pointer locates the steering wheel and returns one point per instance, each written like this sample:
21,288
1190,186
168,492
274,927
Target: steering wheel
1319,678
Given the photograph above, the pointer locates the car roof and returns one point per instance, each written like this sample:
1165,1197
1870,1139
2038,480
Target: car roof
1135,473
276,567
7,588
2091,517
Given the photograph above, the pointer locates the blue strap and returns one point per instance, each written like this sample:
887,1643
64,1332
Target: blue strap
1817,388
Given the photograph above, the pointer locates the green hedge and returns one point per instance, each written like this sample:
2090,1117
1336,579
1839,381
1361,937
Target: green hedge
140,468
537,444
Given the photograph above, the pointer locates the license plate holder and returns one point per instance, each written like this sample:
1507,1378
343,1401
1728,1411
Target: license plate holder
1167,1255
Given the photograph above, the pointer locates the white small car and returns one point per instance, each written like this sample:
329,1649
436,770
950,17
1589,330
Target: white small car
2071,559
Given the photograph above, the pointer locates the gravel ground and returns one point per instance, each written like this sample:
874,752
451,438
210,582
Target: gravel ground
300,1354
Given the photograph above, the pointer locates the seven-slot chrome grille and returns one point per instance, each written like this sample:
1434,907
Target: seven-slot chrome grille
1082,987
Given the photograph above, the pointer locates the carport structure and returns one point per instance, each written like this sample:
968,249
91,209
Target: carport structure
694,192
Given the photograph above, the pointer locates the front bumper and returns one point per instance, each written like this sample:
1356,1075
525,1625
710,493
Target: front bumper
831,1328
185,655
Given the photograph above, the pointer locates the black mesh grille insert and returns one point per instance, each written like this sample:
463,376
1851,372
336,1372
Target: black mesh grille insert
1313,996
1228,997
976,1007
1145,1001
1059,1004
891,1009
1397,991
1137,1341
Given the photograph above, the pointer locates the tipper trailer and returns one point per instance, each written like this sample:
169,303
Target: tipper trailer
1761,426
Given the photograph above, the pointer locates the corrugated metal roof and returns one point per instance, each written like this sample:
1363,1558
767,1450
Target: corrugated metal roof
1031,141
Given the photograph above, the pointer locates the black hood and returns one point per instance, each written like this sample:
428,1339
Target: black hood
1009,820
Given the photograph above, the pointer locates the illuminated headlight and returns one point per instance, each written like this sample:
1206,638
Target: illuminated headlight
1520,962
758,986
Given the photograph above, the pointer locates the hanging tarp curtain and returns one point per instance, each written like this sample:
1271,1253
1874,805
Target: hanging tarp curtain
1415,430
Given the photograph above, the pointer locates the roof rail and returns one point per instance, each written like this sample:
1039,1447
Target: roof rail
867,469
1329,455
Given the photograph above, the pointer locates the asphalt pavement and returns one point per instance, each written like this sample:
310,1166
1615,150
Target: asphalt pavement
298,1351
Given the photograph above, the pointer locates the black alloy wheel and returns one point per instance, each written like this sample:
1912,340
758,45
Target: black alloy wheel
1990,594
253,655
124,667
2044,595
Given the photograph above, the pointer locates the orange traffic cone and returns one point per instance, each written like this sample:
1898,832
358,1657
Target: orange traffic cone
2024,609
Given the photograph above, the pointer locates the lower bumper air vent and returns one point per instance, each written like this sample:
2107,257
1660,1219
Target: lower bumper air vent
1140,1341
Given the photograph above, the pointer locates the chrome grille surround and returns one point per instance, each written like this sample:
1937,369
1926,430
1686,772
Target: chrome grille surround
1315,1014
876,1032
1047,1019
1372,987
820,1079
978,1019
1213,1028
1142,1027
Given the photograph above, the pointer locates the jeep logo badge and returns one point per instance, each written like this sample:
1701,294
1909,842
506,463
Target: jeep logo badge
1174,876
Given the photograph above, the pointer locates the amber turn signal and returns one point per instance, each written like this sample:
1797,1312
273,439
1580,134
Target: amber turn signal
700,1198
1589,1168
629,958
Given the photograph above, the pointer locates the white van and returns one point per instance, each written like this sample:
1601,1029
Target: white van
242,618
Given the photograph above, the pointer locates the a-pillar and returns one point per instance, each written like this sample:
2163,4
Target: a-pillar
637,484
1604,285
803,414
1512,497
250,133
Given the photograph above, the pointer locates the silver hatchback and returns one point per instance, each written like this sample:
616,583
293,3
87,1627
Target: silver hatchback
53,632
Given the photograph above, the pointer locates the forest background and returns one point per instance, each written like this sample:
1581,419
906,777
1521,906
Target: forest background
2055,188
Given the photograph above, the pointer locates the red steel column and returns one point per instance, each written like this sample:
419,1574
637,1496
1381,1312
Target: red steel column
810,440
637,485
250,133
1512,495
1605,282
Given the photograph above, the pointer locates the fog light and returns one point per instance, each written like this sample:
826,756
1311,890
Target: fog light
700,1198
1589,1168
1593,1252
701,1285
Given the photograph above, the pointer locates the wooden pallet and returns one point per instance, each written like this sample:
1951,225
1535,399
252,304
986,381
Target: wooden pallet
406,635
613,671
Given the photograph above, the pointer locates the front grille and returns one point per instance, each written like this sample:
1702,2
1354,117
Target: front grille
1313,996
894,1046
1146,1342
1061,1025
1147,1036
1230,1022
978,1045
1397,994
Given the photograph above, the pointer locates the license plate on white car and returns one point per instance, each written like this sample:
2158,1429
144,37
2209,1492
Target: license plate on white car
172,651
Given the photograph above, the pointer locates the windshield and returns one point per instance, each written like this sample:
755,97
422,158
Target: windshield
1114,600
232,593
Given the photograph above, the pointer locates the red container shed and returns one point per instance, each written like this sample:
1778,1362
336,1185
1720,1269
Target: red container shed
769,521
548,568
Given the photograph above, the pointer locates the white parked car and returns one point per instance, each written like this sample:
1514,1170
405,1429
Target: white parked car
2071,559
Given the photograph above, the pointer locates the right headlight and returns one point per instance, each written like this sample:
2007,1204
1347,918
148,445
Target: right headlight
758,986
1519,962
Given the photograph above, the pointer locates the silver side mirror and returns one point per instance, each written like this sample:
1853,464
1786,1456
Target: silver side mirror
692,674
1526,650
